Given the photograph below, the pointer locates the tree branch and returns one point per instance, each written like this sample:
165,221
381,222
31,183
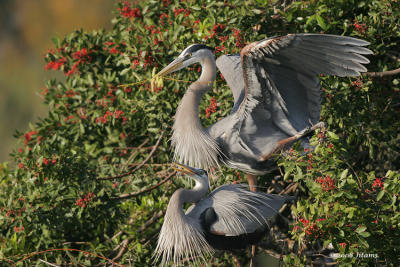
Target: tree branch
382,73
153,219
136,151
138,166
236,260
122,249
291,188
144,190
48,263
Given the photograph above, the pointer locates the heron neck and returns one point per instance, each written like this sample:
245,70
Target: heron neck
193,145
208,73
188,110
182,196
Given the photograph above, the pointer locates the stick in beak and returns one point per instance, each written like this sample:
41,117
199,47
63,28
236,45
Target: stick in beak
173,66
183,169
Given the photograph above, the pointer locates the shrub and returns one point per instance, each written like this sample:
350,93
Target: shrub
93,174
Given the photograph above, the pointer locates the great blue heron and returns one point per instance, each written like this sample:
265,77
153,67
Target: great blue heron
230,217
276,94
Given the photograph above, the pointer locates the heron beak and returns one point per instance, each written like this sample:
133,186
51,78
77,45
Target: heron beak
173,66
184,169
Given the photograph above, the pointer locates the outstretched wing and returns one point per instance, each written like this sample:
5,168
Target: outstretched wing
237,210
281,73
281,89
231,68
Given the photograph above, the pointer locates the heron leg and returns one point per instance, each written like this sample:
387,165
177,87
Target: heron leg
252,181
308,130
283,142
252,254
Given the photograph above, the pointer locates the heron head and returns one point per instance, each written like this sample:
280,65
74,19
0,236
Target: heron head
192,54
198,175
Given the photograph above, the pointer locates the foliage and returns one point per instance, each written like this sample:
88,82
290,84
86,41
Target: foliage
75,166
27,28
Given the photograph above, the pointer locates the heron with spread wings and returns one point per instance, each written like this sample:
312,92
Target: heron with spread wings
276,94
230,217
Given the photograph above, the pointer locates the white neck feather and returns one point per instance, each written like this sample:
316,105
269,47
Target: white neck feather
193,145
182,236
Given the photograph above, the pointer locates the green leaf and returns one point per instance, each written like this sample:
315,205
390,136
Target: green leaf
125,71
361,229
364,234
380,195
332,136
344,174
321,22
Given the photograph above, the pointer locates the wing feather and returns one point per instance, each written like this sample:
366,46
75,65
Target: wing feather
239,210
279,89
230,66
286,68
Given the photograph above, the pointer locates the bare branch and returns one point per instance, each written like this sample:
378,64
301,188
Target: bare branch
138,166
152,220
273,253
286,8
393,57
116,235
236,260
382,73
136,151
144,190
151,164
122,249
50,264
76,243
290,188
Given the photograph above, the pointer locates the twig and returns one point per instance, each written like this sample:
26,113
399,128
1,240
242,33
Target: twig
144,190
138,166
282,208
116,235
277,16
122,248
136,151
393,57
76,243
387,105
141,146
50,264
355,174
272,253
151,164
290,188
153,219
236,260
382,73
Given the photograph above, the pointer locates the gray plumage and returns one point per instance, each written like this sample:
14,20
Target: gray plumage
276,94
235,212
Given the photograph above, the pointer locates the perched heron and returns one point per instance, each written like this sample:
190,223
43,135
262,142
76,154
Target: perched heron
230,217
276,94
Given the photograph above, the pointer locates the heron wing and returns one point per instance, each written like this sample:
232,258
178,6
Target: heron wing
282,90
238,211
282,73
230,67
